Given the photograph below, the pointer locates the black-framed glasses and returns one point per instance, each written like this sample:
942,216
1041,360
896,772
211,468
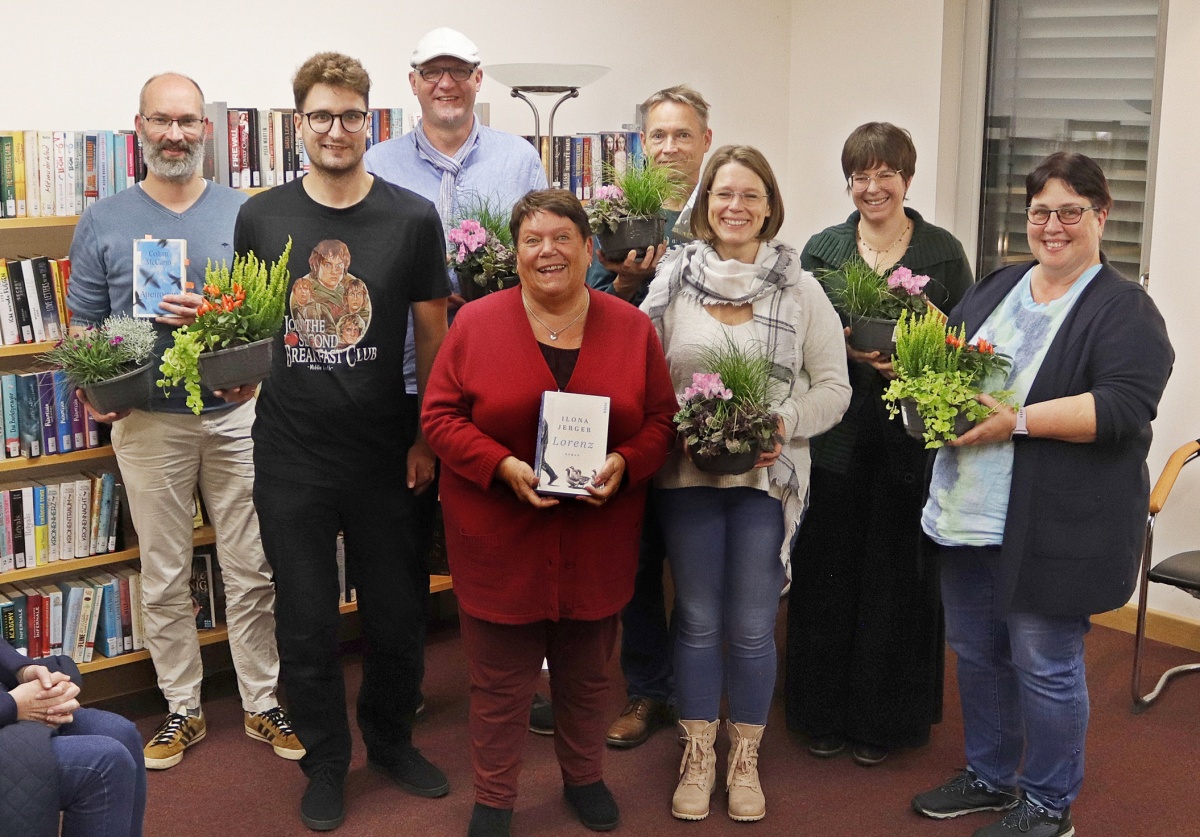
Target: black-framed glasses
883,179
321,121
433,75
1068,215
187,124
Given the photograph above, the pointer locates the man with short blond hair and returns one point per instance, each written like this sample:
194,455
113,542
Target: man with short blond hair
164,450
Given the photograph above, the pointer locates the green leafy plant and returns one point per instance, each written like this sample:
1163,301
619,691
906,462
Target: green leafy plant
727,409
242,304
942,374
121,344
482,252
859,290
638,192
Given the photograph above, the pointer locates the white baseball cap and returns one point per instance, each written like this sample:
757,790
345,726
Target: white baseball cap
445,41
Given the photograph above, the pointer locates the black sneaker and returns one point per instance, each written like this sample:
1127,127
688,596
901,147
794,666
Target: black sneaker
1029,820
541,716
487,821
322,807
869,755
826,746
594,805
413,772
964,794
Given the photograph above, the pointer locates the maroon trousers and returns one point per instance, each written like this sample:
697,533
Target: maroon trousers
504,663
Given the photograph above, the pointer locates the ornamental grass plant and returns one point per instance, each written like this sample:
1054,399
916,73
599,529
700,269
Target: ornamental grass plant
858,290
638,192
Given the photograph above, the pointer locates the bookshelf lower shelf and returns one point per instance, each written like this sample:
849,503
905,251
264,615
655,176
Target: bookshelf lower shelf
437,584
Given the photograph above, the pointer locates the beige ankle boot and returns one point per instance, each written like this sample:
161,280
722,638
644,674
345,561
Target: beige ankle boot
697,771
746,800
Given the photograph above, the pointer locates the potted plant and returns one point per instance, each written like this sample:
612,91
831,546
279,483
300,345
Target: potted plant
938,376
230,343
483,257
625,215
873,301
111,364
724,415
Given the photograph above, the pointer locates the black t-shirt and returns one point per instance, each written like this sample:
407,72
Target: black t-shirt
331,412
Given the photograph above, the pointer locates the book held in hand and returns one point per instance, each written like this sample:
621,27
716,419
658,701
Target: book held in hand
159,268
572,442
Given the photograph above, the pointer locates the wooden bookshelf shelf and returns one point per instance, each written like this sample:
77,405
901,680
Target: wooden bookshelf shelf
22,463
437,584
29,350
12,224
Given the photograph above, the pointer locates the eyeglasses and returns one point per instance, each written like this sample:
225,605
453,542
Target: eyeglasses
187,124
883,179
321,121
1040,216
433,75
748,198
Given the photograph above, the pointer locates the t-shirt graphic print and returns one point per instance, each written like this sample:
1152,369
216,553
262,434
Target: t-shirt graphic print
329,311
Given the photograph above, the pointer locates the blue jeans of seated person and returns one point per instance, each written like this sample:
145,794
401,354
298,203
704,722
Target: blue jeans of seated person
645,640
723,545
1021,681
102,775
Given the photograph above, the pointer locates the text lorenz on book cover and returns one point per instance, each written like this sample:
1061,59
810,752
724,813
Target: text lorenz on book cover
572,442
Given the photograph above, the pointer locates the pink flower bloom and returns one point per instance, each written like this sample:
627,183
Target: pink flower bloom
902,277
610,192
707,385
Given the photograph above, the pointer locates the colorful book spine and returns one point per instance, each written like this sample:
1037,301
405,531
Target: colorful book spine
41,525
10,330
33,300
78,423
46,412
62,410
107,483
30,422
12,424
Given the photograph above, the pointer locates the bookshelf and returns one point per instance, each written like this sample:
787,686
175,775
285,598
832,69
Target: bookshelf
108,676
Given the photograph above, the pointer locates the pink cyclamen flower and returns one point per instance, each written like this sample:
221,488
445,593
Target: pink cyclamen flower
610,192
707,385
902,277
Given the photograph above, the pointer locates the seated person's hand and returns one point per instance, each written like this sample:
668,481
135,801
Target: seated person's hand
107,418
633,273
237,395
45,696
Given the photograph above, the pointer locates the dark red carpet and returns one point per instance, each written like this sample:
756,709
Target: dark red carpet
1142,776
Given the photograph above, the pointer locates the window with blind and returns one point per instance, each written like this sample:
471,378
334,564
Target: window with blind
1070,75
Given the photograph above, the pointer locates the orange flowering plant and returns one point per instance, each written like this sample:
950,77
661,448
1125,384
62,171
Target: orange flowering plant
938,375
242,304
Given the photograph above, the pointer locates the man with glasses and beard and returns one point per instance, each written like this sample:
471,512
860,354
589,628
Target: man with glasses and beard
164,450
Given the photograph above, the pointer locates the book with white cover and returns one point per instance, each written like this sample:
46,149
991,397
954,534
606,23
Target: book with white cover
159,268
572,442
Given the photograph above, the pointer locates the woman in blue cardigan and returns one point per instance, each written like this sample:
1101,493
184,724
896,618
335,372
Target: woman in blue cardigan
1039,512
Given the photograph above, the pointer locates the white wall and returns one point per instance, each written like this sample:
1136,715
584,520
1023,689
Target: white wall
1176,290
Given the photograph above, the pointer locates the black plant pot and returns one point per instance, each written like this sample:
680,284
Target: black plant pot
873,334
914,425
124,392
471,290
237,365
724,463
637,234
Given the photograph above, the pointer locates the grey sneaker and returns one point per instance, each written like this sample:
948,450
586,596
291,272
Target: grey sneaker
1029,820
964,794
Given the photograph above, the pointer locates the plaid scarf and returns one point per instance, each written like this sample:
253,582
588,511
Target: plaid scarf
448,166
775,311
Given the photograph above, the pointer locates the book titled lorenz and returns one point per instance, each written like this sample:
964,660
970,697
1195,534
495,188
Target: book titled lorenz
572,442
159,266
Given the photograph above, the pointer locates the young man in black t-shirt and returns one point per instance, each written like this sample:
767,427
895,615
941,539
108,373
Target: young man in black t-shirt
334,450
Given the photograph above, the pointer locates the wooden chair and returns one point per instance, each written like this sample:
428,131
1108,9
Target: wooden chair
1181,571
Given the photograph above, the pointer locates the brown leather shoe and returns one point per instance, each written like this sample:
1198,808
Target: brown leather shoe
640,717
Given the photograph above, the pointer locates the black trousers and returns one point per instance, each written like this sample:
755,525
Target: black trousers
299,525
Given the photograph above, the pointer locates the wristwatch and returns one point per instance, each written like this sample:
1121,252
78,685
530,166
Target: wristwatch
1021,429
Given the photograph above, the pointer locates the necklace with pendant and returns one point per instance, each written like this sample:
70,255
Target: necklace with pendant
888,249
554,334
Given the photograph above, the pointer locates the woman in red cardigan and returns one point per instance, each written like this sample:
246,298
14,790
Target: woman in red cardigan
537,576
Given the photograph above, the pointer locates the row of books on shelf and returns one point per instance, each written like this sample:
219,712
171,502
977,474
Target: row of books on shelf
584,162
251,148
59,519
99,613
47,173
43,416
33,299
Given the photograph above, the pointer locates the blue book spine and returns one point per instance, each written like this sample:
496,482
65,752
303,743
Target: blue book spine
62,411
78,425
49,429
12,422
28,416
109,642
107,481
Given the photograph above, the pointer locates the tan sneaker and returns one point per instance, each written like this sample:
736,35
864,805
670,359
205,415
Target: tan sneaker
177,733
274,728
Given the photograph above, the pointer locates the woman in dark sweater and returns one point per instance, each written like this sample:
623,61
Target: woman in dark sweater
864,645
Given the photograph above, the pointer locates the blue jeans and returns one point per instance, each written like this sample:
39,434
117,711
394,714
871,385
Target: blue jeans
723,545
101,775
645,641
1021,681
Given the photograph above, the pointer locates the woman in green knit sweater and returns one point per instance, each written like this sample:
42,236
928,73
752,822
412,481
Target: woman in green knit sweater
864,644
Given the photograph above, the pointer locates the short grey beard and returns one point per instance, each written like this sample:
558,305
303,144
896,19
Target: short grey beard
178,171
